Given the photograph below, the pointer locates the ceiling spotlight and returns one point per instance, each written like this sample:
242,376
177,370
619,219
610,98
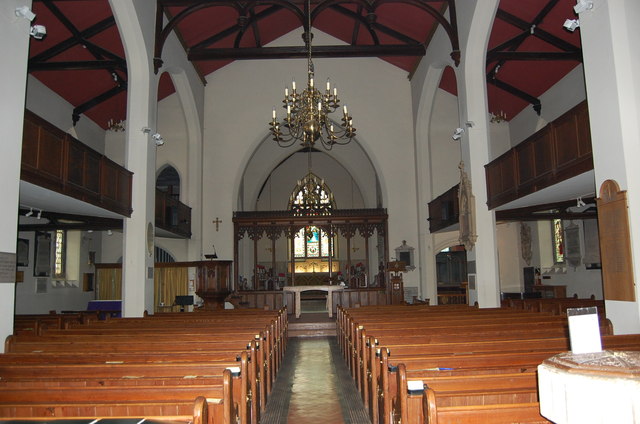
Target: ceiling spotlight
157,138
39,214
571,24
580,203
457,134
38,31
25,12
30,209
583,5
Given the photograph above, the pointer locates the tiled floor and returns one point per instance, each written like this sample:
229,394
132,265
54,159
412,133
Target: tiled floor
314,386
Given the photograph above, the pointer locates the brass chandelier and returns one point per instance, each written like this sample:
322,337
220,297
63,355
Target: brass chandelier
307,119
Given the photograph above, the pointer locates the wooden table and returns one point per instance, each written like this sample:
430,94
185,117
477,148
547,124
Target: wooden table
297,290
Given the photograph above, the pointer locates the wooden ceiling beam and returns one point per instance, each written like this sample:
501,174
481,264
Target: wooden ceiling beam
547,211
540,33
253,3
533,56
72,41
77,111
535,102
234,28
77,65
356,27
378,27
301,52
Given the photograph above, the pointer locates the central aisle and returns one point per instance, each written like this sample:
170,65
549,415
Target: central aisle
314,386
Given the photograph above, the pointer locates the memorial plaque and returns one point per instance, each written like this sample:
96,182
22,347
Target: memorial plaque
7,267
615,243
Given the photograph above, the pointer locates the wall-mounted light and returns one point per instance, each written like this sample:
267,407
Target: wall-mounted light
25,12
39,214
457,134
571,24
30,209
109,232
157,138
38,31
583,5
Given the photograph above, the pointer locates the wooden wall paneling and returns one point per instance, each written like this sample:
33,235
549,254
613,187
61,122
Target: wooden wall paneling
443,210
615,243
559,151
92,173
75,165
584,131
508,178
51,154
30,137
544,155
565,131
526,166
109,181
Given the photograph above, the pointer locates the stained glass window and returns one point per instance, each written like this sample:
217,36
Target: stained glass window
311,197
558,242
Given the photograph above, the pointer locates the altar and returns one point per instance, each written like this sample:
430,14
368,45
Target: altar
297,290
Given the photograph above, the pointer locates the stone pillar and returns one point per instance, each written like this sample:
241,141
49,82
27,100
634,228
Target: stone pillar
610,35
136,23
475,25
14,40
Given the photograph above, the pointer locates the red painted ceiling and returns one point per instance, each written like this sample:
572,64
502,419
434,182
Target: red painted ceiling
80,86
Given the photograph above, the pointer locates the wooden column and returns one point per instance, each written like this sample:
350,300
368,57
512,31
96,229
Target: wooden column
347,232
292,235
255,234
236,257
366,231
330,236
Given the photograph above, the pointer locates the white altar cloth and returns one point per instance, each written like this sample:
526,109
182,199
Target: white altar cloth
297,290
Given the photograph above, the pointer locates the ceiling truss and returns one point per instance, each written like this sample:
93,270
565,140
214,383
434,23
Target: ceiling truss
506,51
252,12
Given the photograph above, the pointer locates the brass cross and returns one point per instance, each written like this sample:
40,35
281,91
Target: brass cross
217,222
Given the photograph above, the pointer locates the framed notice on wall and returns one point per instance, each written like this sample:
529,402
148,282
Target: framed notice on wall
42,256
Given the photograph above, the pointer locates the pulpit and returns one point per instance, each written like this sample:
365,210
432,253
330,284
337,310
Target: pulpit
396,268
214,282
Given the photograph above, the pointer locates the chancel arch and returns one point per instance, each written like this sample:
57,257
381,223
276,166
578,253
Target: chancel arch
352,228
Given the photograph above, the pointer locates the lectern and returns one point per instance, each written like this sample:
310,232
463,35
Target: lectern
396,268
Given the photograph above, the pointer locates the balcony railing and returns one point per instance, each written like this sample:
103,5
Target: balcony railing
559,151
172,215
444,210
55,160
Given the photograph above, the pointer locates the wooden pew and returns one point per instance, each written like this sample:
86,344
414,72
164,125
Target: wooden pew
169,372
180,403
500,358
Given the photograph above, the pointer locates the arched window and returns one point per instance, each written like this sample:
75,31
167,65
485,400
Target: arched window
169,181
312,197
